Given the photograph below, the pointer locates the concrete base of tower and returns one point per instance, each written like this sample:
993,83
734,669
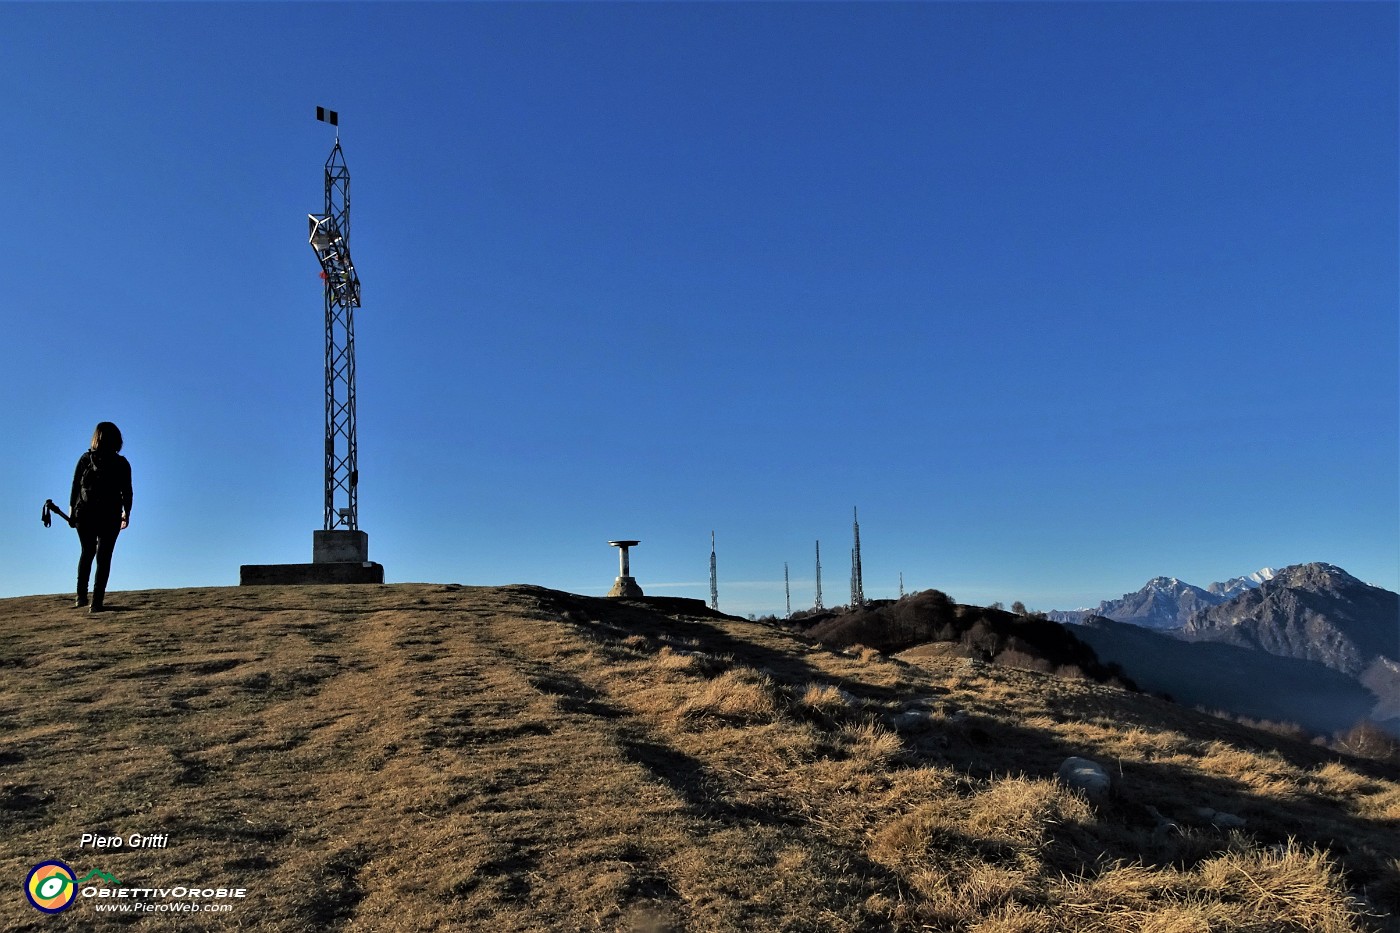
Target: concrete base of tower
625,586
335,547
326,573
336,557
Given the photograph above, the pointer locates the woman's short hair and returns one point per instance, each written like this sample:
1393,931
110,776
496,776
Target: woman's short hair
107,436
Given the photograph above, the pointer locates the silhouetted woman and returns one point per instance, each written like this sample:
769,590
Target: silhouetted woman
100,507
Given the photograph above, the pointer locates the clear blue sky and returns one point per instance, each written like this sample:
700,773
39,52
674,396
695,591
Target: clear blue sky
1062,296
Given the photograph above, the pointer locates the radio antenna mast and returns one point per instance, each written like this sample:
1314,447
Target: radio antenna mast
714,582
857,578
818,604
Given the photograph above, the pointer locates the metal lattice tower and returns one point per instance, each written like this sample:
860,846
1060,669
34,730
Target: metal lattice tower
787,590
857,577
818,603
714,582
330,238
901,584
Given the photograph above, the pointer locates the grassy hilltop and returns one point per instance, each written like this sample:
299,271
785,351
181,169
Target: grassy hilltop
425,757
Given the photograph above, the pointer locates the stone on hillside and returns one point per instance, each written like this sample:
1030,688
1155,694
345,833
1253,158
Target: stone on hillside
1220,820
912,720
1088,776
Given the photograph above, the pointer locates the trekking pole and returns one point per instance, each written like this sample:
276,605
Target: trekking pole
50,507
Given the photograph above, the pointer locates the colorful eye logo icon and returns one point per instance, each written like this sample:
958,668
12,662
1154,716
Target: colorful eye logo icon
50,887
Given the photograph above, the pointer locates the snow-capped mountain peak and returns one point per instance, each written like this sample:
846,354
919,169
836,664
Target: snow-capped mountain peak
1233,587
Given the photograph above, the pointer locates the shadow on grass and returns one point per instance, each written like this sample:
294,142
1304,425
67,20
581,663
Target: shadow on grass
702,791
1129,829
616,619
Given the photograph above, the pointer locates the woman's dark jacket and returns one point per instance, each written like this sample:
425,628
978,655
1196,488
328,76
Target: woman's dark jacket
101,488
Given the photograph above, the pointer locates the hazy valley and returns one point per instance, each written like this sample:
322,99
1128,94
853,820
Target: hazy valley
1309,645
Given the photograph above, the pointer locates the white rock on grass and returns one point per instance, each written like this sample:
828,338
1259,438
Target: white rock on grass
1088,776
912,720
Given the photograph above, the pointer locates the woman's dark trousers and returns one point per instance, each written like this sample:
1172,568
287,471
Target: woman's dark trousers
98,539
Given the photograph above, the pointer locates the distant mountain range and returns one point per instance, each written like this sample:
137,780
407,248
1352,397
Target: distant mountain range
1166,603
1309,644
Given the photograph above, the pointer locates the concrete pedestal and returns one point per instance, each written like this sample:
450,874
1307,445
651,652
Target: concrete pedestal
300,574
333,547
336,557
625,586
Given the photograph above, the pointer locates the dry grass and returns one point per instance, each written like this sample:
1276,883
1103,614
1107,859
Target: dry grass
1283,888
419,757
825,700
739,696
